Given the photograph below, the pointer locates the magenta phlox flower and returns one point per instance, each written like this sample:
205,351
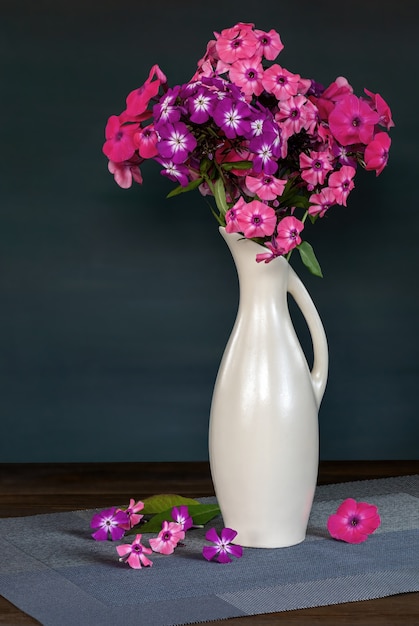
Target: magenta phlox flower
177,172
232,116
145,139
288,233
280,82
201,105
337,90
248,74
382,108
314,167
354,521
266,187
274,250
255,219
109,524
322,201
119,145
132,512
223,546
376,153
181,516
269,43
176,142
342,184
168,538
353,120
135,554
238,42
124,173
138,100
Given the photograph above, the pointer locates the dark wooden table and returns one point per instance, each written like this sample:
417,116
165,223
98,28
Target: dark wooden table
27,489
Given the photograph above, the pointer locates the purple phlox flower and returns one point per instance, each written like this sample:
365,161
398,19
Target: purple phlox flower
266,154
181,516
316,89
175,171
201,105
223,546
135,554
108,523
232,116
344,155
176,142
166,109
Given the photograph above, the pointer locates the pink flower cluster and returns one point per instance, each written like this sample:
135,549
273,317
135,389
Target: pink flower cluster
264,141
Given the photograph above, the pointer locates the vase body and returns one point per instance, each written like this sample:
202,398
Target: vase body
263,433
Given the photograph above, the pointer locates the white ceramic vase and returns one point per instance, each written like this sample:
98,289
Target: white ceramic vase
263,433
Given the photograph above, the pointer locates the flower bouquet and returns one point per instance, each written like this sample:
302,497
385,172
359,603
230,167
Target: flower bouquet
271,147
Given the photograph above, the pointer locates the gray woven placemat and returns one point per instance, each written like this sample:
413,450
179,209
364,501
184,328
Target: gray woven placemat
52,569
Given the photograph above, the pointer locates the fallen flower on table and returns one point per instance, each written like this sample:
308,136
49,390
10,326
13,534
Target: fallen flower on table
135,554
110,524
222,547
353,521
132,512
181,516
168,538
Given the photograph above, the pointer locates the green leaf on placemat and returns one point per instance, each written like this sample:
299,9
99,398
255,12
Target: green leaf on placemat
200,513
163,502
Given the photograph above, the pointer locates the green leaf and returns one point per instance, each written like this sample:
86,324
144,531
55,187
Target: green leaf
180,189
220,196
163,502
309,258
236,165
200,513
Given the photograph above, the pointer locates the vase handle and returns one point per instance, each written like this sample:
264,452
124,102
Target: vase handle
318,335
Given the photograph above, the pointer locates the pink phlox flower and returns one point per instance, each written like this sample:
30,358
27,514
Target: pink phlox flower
181,516
109,524
280,82
269,43
168,538
124,173
132,511
256,219
294,115
135,554
274,250
353,120
322,201
382,108
145,139
248,74
288,233
232,223
354,521
119,145
266,187
376,153
238,42
342,184
223,546
314,167
138,100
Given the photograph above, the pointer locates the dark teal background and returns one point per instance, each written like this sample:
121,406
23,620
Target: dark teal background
116,305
